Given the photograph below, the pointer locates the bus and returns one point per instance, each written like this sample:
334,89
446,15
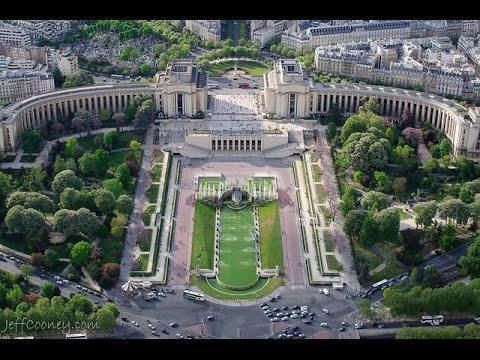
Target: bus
115,76
380,284
212,86
432,320
189,294
243,85
75,336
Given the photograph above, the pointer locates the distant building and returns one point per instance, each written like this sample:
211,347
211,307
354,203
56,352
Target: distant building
206,29
465,42
16,85
14,36
43,29
65,60
265,30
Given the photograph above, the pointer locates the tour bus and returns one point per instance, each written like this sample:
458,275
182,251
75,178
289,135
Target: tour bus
243,85
189,294
380,284
115,76
212,86
433,320
76,336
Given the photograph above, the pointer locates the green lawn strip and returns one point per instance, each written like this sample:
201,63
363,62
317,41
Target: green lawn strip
321,196
326,214
309,270
304,238
142,262
270,236
159,158
390,270
333,263
237,260
314,156
203,236
147,214
152,193
258,291
156,172
145,244
316,173
327,238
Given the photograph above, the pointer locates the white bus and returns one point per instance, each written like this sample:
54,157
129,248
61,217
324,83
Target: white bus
432,320
212,86
379,284
189,294
76,336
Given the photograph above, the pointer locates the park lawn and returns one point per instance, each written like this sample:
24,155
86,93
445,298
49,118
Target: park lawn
326,214
117,157
203,236
147,214
142,263
320,193
373,259
251,67
314,157
152,193
111,250
260,290
333,264
390,270
156,172
237,261
124,138
327,238
316,173
270,236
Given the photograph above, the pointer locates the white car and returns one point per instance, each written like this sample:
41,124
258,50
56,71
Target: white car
324,324
325,311
134,323
294,316
285,318
325,291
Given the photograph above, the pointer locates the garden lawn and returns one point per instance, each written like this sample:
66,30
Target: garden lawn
147,214
270,236
327,238
373,259
203,236
117,157
111,250
152,193
390,270
326,214
145,245
237,261
320,193
333,263
316,173
251,67
156,172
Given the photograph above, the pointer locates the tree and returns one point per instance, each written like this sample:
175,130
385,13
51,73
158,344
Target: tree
59,164
104,115
104,200
365,308
105,319
403,156
31,141
26,270
117,226
108,140
331,131
102,161
88,222
382,180
466,168
361,122
353,223
66,222
334,115
445,147
6,184
14,296
389,224
144,115
33,200
49,290
71,146
425,213
80,253
50,258
368,234
34,178
470,262
125,204
78,79
370,105
399,186
23,220
36,259
64,179
349,200
80,303
88,164
454,209
123,175
392,135
114,186
374,200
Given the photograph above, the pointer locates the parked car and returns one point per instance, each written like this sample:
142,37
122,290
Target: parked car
324,324
325,291
210,317
341,329
173,324
165,331
326,311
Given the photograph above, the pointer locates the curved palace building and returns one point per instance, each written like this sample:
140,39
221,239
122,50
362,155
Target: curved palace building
288,93
180,90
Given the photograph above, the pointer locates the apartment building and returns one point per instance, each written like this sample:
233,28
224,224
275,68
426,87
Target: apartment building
206,29
13,36
18,84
